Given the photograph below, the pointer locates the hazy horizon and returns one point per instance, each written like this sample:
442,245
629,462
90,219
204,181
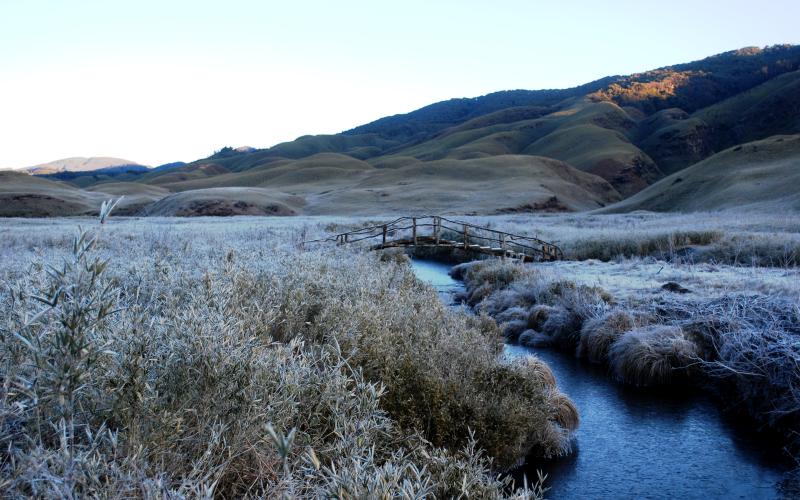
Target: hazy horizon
156,83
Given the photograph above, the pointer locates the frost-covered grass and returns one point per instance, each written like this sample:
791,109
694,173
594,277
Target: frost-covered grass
720,237
222,357
217,357
737,332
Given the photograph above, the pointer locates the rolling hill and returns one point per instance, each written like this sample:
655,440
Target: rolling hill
760,175
571,149
23,195
629,130
331,183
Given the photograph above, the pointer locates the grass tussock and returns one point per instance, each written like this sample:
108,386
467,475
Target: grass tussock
396,255
742,346
213,374
653,355
599,333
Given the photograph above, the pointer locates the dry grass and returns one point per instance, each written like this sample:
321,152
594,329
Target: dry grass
653,355
181,359
765,239
339,184
761,174
740,343
600,332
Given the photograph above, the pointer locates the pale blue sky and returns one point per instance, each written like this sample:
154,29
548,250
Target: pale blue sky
160,81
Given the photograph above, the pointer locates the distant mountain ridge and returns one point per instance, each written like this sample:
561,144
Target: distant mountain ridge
81,164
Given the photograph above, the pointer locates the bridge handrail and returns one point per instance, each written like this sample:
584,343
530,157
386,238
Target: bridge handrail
545,249
460,223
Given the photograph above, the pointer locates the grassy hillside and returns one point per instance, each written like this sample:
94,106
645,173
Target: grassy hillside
23,195
593,137
135,196
339,184
225,202
769,109
630,131
699,84
486,185
762,175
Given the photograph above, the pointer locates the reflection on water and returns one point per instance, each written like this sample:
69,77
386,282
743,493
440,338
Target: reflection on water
640,444
437,275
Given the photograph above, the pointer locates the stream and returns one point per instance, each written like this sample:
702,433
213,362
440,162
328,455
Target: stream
641,443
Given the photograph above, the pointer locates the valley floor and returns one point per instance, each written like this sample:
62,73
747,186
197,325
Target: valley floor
200,332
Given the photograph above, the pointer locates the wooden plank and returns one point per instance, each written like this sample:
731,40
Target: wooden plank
541,250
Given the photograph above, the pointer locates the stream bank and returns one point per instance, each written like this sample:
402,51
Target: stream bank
635,443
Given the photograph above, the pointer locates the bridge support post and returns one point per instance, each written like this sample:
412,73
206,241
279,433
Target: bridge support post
503,245
466,237
437,224
414,230
384,236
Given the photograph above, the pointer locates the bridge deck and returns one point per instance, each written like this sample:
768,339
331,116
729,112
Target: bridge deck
435,231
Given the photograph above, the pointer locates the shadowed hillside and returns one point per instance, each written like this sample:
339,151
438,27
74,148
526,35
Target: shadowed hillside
23,195
762,175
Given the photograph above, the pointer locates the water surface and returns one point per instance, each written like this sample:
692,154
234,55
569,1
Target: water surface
640,443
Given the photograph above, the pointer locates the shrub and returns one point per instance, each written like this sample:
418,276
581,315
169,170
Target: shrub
538,316
157,376
396,255
513,329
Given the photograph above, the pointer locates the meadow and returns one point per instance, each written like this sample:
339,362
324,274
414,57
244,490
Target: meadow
175,358
170,357
708,301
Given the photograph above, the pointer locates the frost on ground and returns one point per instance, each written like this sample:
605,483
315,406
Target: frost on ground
189,357
640,280
654,317
222,357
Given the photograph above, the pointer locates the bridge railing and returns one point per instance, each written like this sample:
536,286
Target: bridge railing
439,231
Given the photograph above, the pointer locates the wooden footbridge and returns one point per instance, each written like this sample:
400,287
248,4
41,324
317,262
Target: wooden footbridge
438,232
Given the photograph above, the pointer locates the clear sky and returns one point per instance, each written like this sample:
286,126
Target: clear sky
161,81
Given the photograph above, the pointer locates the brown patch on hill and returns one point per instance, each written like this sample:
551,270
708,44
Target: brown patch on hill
550,205
226,208
38,205
627,177
660,84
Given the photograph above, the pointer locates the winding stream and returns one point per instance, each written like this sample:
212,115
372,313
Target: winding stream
642,444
